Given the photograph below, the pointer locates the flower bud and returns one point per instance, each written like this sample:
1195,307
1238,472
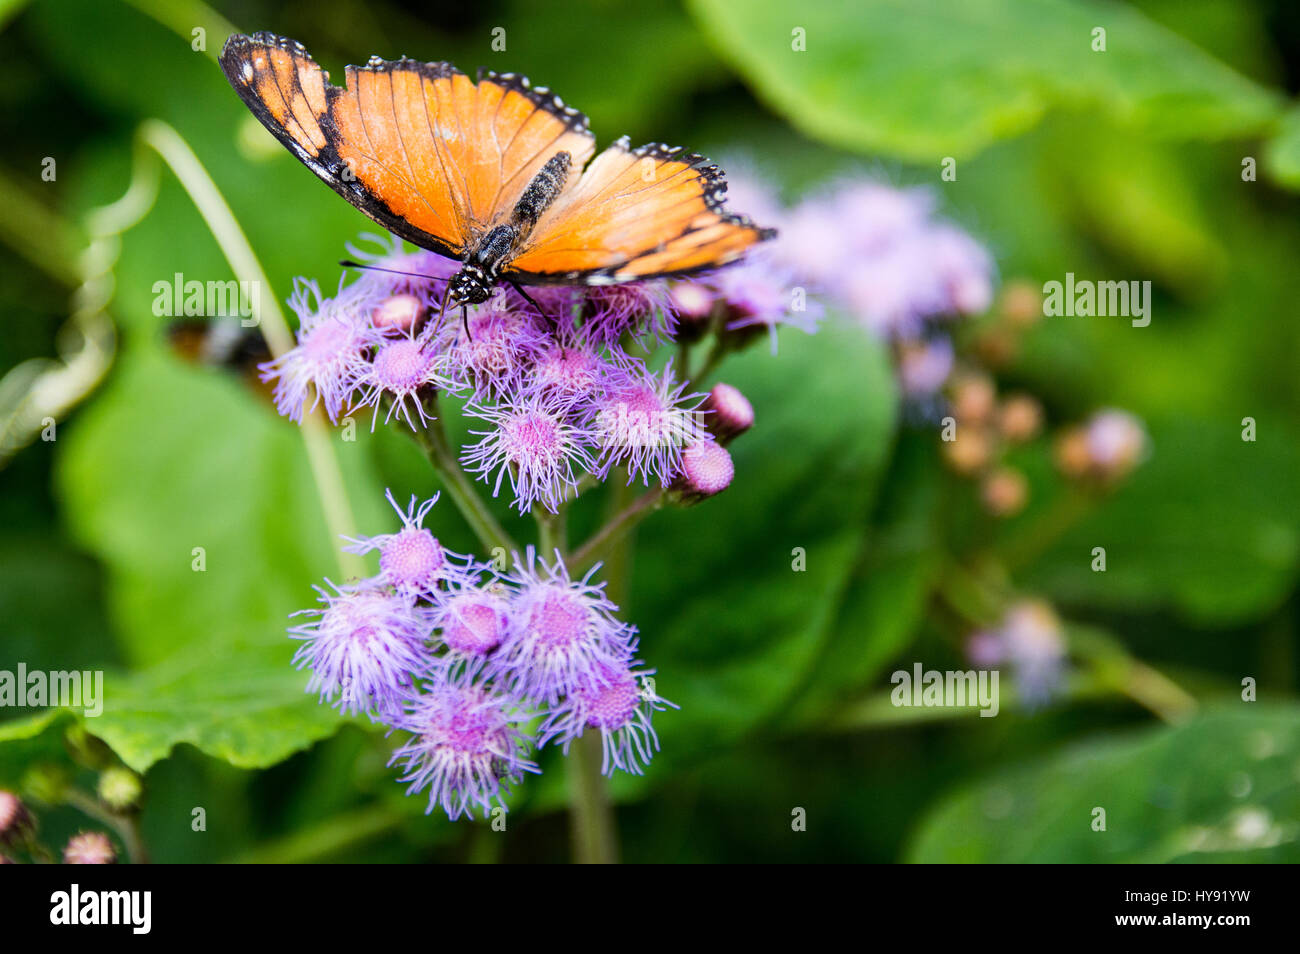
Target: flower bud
119,788
1004,492
707,469
1020,418
1071,453
1022,304
16,822
85,749
970,452
1116,441
399,313
89,848
693,302
730,412
45,783
974,397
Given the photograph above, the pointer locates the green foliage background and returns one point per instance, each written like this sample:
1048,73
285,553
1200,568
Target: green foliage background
1122,164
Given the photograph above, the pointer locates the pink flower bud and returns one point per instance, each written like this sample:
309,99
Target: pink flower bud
706,470
89,848
400,312
730,412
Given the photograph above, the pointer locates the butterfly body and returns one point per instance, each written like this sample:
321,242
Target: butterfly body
495,174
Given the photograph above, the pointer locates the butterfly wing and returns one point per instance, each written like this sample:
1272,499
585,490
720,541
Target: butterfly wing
635,214
420,148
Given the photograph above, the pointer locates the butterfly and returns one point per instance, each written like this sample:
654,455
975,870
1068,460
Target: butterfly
494,173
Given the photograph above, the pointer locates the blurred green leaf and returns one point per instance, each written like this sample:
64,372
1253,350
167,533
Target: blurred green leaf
1282,152
169,459
924,79
1220,788
1207,526
887,594
731,626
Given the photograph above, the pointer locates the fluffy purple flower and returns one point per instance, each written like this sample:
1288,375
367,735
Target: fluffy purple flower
363,648
401,369
334,338
535,440
501,344
412,561
640,309
466,746
642,420
563,634
572,370
473,621
759,294
619,706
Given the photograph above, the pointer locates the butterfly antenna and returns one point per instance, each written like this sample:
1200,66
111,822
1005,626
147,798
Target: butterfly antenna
348,263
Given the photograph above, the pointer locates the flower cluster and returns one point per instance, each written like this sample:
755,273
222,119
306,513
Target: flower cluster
550,378
479,667
879,255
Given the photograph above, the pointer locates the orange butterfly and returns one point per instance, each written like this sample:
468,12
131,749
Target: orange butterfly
490,173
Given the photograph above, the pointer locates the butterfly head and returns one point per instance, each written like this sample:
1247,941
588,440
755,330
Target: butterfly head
470,286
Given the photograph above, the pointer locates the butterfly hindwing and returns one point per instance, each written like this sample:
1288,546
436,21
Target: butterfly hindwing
635,214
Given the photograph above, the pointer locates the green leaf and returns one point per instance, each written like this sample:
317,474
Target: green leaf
1282,153
924,79
1219,788
245,706
887,593
169,459
732,627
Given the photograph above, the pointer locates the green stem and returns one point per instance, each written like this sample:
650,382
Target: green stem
268,317
552,533
616,528
591,817
433,440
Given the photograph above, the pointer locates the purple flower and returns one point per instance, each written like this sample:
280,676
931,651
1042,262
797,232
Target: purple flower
363,648
473,621
924,366
572,370
466,746
619,707
1030,639
638,309
535,440
642,421
500,345
563,634
402,368
759,294
334,337
412,561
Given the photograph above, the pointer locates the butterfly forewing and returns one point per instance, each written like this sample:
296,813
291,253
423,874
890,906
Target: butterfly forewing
440,160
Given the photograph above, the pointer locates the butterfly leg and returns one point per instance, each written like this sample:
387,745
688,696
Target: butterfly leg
464,320
536,307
